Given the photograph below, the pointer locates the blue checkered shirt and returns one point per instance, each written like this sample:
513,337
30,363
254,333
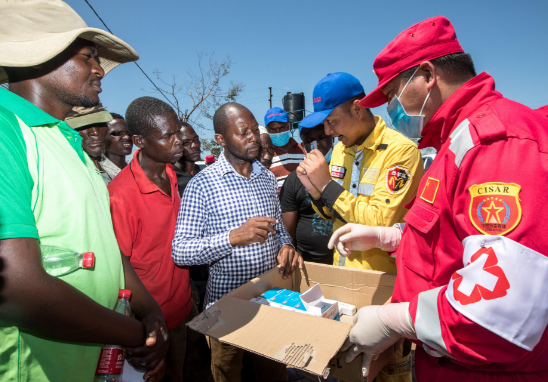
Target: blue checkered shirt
216,201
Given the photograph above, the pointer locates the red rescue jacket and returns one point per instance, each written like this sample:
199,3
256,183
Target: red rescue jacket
480,303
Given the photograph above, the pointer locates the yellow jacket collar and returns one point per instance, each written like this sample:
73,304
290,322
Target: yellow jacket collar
375,138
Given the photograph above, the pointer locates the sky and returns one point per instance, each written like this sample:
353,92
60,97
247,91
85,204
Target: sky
291,45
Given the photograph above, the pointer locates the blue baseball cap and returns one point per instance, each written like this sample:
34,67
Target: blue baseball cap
276,114
332,90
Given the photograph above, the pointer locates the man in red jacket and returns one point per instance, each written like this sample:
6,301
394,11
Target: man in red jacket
144,202
472,265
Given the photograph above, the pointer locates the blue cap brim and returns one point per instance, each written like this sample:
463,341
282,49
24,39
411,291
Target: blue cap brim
314,119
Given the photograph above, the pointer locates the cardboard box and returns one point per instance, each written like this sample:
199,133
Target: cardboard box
300,340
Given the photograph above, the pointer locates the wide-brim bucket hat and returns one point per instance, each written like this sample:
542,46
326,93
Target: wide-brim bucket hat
35,31
81,116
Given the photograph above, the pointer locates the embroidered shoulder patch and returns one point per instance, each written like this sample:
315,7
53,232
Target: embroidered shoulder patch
430,190
495,207
397,179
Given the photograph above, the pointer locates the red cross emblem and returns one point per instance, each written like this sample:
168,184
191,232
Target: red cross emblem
481,279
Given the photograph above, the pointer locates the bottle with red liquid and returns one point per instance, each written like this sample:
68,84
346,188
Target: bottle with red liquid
111,360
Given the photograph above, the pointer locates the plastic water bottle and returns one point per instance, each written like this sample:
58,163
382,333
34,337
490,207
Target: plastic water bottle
111,360
60,261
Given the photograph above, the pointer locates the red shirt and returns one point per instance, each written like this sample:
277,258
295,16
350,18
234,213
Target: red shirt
144,219
284,163
475,298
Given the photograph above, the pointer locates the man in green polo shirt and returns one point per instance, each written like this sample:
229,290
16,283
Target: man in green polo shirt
52,328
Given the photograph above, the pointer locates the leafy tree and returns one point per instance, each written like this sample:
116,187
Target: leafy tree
212,146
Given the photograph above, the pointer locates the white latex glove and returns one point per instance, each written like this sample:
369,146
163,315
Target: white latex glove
357,237
376,328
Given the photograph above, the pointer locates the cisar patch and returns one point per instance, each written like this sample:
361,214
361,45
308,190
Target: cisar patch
397,179
495,207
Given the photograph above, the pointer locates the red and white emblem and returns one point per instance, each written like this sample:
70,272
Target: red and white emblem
338,172
502,287
481,279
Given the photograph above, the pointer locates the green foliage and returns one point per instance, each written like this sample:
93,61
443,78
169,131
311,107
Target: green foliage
211,146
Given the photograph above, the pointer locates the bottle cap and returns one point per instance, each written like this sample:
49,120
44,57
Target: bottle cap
89,260
124,293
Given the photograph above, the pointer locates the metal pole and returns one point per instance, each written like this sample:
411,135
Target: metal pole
270,99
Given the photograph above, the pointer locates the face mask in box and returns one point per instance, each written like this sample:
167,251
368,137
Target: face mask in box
281,298
310,302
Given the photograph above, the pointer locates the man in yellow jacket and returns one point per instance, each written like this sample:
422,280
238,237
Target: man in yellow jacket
373,174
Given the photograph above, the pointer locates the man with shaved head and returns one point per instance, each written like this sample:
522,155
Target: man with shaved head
236,227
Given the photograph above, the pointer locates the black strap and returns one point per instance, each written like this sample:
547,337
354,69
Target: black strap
330,194
320,205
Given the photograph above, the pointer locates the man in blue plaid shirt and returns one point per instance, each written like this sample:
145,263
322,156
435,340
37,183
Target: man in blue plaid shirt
230,218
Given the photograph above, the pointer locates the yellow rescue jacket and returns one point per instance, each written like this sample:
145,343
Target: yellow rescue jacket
371,185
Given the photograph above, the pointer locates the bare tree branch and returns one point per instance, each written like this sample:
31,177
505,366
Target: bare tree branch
202,89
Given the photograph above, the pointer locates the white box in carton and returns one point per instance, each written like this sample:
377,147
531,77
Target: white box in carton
313,303
326,309
316,305
347,309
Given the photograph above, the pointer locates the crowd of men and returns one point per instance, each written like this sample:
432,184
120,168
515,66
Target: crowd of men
464,239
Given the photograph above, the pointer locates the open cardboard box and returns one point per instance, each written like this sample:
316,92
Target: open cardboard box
299,340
